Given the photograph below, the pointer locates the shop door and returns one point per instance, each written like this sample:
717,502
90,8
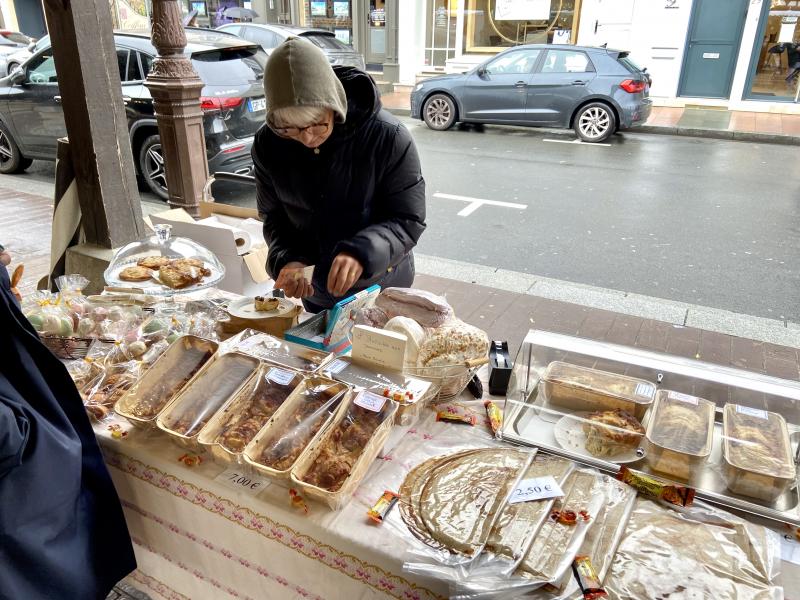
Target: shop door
712,46
376,32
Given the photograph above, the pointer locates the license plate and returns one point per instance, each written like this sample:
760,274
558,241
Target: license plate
257,104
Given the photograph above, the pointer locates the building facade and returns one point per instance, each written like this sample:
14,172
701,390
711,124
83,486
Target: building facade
737,54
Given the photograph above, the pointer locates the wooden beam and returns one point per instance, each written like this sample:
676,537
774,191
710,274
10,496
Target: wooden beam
91,95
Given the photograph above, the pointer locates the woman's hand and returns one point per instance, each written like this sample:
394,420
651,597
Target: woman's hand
345,271
292,281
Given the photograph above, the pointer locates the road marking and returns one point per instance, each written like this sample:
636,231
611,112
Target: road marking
476,203
576,142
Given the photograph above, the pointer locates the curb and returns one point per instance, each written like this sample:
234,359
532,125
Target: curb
720,134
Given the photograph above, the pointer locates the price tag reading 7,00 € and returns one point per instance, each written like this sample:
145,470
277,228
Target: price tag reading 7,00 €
536,488
234,478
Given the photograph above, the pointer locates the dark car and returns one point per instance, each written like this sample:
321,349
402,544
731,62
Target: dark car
596,91
233,105
270,37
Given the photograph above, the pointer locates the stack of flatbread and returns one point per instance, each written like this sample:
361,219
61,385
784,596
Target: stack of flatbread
450,502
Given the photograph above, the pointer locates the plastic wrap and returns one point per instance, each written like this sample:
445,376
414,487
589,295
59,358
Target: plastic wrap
371,316
110,386
165,379
756,452
700,552
679,434
453,344
333,466
278,352
451,503
229,432
429,310
584,389
294,426
213,387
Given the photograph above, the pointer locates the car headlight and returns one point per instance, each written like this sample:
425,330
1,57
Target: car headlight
418,88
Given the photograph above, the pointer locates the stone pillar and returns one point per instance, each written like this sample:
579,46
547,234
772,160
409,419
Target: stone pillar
175,87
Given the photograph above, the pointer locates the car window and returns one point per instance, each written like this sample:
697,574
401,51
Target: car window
519,62
262,37
147,64
566,61
328,42
42,69
230,65
234,29
134,71
122,63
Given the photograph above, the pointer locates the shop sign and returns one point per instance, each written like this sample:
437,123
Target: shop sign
522,10
441,17
341,10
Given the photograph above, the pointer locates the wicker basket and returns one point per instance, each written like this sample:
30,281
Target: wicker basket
70,348
449,380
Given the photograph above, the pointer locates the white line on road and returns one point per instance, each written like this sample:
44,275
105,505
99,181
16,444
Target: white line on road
575,142
476,203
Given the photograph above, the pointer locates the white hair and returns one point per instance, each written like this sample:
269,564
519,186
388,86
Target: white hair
298,116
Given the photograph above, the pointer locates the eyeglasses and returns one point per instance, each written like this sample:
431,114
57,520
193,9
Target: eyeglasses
293,132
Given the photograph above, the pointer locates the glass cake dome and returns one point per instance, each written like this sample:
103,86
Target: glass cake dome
164,265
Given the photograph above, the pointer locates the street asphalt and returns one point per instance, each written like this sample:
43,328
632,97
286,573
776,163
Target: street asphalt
705,222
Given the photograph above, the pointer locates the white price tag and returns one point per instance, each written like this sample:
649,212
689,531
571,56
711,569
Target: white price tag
536,488
280,376
335,367
752,412
683,398
645,390
236,479
370,401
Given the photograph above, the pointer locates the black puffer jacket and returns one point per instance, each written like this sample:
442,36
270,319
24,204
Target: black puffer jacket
363,193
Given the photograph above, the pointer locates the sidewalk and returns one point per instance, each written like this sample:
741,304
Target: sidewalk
505,315
691,121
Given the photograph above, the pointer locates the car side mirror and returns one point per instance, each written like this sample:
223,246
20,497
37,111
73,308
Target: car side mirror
481,71
17,75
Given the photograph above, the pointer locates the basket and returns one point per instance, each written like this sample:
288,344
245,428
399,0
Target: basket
70,348
449,380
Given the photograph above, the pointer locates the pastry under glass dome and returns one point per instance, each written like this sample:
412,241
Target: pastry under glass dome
163,244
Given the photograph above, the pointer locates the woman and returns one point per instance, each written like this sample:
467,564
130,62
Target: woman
62,531
338,178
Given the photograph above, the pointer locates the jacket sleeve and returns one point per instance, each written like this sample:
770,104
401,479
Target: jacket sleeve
398,208
14,428
278,230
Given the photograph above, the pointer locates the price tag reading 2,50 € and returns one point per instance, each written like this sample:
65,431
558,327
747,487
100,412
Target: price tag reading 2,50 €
536,488
234,478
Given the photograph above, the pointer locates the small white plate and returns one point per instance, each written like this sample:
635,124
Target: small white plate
245,308
568,432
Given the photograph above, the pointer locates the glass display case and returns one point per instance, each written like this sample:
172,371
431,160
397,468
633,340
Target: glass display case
164,265
732,435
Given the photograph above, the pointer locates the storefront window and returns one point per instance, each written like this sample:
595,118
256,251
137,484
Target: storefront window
440,40
777,58
492,25
335,16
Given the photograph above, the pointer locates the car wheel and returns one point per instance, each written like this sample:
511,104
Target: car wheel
439,112
11,67
595,122
151,166
11,159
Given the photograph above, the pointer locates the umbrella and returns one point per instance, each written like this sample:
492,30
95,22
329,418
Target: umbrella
234,12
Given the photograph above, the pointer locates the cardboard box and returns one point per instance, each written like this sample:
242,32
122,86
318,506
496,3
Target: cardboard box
246,273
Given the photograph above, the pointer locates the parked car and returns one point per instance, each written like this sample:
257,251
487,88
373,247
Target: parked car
270,37
11,42
595,91
233,105
20,55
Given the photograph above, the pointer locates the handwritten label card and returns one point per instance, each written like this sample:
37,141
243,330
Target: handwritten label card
536,488
378,348
334,367
370,401
280,376
234,478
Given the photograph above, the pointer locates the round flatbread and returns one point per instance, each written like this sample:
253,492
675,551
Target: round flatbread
461,497
153,262
135,274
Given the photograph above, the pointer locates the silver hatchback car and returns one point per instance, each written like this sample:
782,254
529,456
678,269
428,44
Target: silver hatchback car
272,36
595,91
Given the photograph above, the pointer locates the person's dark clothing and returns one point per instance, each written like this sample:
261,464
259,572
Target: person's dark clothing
362,193
62,531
